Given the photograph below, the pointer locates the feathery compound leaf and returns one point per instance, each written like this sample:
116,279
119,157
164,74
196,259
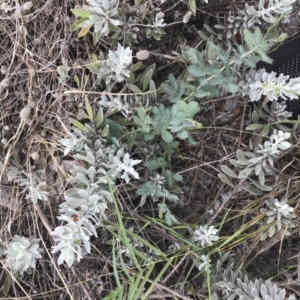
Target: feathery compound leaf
257,43
196,71
175,89
156,164
194,56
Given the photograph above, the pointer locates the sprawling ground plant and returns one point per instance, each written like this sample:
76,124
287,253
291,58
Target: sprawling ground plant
149,80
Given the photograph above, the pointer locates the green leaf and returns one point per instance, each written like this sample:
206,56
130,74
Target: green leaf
7,285
150,136
266,130
76,79
245,173
167,136
169,178
254,126
99,118
143,120
115,130
194,56
162,117
134,88
228,171
252,190
281,38
146,189
257,43
261,178
261,187
169,148
78,125
156,36
192,5
76,25
225,179
155,164
89,109
96,37
80,13
139,65
196,71
152,89
147,79
183,134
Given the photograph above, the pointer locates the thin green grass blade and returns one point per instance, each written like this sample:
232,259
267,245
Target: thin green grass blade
133,286
123,232
114,262
145,280
134,250
158,277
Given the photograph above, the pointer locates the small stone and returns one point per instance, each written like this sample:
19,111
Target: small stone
25,113
187,17
3,70
27,5
31,104
34,155
142,55
31,72
4,141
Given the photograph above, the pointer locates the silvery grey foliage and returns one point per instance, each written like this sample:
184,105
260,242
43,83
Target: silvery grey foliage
272,86
22,254
155,29
258,290
36,189
204,235
103,13
203,262
251,17
121,163
71,236
231,284
261,160
225,275
85,203
74,142
279,214
276,112
120,61
114,104
116,68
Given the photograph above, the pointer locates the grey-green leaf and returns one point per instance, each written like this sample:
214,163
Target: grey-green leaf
245,173
225,179
166,136
228,171
6,285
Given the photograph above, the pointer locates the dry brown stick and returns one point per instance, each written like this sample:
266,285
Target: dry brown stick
158,285
226,200
175,268
86,292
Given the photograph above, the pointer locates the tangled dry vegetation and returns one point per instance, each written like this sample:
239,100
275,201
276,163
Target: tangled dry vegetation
39,57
